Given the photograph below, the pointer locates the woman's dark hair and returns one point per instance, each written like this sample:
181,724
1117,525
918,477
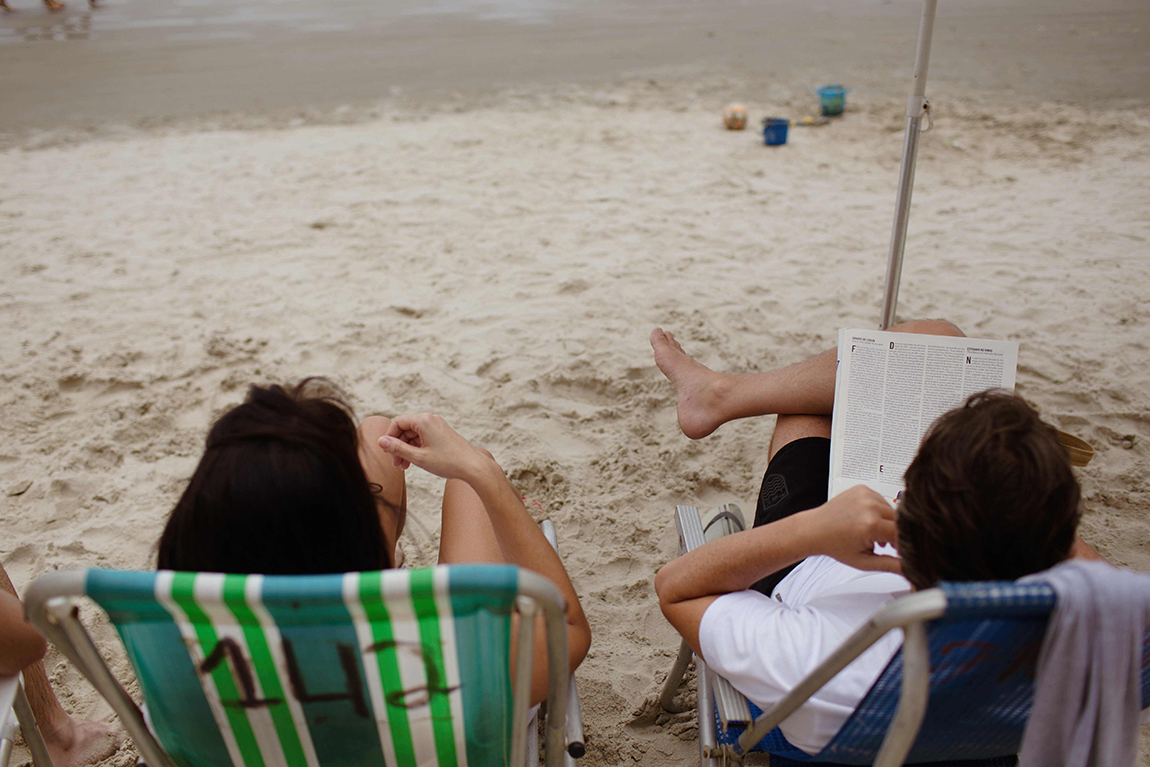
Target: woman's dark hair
279,490
989,496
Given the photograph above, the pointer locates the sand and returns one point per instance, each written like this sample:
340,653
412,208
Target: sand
500,259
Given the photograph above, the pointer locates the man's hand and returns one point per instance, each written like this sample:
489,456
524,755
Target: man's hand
848,526
428,442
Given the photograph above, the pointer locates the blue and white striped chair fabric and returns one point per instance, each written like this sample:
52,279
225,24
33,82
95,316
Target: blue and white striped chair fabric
983,653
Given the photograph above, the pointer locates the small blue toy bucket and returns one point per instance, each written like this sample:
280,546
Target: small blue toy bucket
832,98
775,130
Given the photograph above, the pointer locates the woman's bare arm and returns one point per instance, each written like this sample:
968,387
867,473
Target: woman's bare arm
427,441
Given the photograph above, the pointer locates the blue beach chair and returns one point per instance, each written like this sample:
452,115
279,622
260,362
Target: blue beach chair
957,693
401,667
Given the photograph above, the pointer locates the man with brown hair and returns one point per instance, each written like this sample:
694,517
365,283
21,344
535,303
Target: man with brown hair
990,495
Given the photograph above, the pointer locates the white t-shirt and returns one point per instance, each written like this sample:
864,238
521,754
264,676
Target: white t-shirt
765,646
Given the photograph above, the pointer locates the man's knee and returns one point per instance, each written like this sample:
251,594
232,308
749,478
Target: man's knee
929,327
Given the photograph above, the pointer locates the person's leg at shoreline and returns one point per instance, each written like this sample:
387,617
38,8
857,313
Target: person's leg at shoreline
71,742
707,399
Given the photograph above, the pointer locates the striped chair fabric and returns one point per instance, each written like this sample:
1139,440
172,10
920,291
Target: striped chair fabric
401,667
983,654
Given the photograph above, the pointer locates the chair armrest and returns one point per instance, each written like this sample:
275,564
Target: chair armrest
730,703
912,610
915,608
690,528
576,746
50,602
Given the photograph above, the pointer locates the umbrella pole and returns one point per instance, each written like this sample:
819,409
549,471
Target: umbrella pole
917,108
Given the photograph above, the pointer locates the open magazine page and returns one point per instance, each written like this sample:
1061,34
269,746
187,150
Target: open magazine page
889,389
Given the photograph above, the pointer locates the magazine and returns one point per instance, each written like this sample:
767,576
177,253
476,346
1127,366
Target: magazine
889,389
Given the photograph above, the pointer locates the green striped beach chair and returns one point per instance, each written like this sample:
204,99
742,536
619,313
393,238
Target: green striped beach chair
400,667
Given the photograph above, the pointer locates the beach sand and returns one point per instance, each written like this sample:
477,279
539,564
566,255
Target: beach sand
500,258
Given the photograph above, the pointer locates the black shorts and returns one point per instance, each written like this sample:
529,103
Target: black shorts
796,480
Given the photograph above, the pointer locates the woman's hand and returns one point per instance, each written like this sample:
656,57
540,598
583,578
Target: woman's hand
428,442
848,526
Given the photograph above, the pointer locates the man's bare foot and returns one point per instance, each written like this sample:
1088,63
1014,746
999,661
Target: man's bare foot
4,6
699,388
54,5
80,743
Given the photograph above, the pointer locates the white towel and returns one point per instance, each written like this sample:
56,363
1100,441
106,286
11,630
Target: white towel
1087,695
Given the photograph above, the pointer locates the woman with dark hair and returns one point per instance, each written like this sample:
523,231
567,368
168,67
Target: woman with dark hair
289,485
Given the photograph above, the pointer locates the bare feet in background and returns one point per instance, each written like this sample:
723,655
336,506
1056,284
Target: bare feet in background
700,389
80,743
53,5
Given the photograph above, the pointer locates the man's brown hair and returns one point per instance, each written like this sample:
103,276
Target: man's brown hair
989,496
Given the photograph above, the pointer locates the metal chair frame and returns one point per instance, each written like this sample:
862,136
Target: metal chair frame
52,605
909,614
16,713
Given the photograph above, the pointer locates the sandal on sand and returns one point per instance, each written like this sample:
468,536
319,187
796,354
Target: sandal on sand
723,520
1080,450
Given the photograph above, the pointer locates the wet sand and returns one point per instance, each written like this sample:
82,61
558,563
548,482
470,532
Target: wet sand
135,59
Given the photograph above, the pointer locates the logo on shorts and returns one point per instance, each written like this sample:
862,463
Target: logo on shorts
774,490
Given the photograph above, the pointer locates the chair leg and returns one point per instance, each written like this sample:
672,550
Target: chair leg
706,708
532,759
31,730
6,739
576,747
674,678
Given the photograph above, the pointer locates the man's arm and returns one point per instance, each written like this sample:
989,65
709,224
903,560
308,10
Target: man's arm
847,527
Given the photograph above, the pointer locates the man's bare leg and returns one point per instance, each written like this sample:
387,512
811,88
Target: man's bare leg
709,399
4,6
794,427
71,742
54,5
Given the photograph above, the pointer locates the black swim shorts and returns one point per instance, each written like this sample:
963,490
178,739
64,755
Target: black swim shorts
796,480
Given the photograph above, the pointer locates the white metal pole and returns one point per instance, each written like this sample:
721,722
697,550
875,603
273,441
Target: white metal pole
916,108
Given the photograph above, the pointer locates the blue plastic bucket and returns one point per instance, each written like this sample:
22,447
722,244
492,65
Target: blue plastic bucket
775,130
832,99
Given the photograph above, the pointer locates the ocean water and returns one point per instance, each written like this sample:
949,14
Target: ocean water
130,59
188,20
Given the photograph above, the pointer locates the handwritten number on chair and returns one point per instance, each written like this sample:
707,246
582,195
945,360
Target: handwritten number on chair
1025,661
229,648
980,652
350,668
416,696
